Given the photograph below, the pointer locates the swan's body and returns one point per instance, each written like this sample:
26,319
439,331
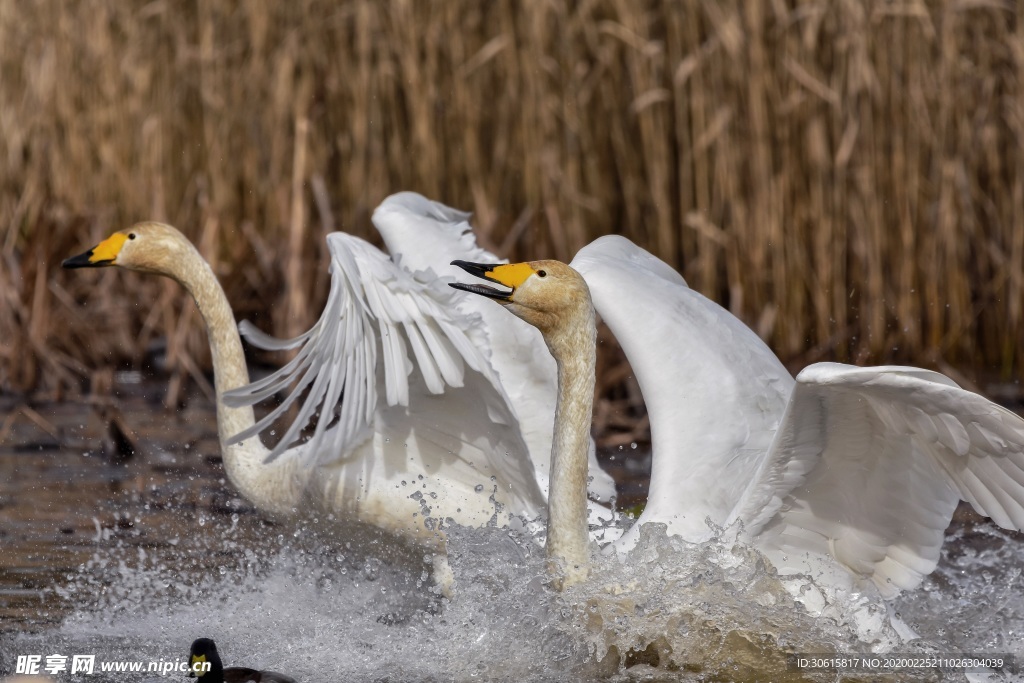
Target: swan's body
847,474
379,308
409,308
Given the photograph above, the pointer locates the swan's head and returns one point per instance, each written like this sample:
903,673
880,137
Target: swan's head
147,247
547,294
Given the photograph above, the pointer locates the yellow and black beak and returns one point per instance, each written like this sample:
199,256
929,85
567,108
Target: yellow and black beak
103,254
510,275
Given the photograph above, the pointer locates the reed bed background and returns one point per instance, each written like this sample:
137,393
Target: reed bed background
846,176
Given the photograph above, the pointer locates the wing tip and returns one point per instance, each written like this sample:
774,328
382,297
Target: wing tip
408,202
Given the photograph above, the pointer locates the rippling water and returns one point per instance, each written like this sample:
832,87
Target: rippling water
132,561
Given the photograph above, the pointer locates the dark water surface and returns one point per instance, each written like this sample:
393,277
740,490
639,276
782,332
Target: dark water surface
69,490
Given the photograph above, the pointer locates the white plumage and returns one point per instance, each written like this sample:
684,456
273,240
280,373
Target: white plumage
402,361
387,349
401,467
843,476
857,466
412,424
424,236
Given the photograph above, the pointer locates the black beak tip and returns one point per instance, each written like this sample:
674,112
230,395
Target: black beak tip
478,269
80,261
467,266
83,261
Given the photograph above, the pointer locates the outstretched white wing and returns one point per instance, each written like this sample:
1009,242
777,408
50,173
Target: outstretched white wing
424,235
714,392
869,465
374,310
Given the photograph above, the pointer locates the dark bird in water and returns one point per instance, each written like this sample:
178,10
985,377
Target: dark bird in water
204,652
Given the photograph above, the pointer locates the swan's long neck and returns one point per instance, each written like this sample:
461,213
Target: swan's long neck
574,349
269,486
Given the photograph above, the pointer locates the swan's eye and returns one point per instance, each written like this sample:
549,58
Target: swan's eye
131,235
541,273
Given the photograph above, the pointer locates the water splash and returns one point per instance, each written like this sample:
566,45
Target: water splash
974,600
327,608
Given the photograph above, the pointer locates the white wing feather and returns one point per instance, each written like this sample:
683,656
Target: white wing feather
370,299
869,465
464,437
424,235
714,391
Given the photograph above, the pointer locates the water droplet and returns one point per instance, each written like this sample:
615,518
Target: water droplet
479,488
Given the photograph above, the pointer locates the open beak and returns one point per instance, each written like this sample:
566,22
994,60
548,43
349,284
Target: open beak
484,271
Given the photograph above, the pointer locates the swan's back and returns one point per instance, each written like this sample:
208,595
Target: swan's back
714,391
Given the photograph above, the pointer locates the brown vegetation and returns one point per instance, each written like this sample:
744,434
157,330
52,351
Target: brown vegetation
846,176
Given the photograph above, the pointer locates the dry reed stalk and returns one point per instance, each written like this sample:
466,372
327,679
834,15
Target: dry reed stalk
296,313
848,176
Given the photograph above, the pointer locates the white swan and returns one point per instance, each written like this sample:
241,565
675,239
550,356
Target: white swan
399,463
847,474
411,443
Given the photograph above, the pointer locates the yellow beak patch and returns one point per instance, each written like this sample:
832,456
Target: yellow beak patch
198,660
513,275
108,249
